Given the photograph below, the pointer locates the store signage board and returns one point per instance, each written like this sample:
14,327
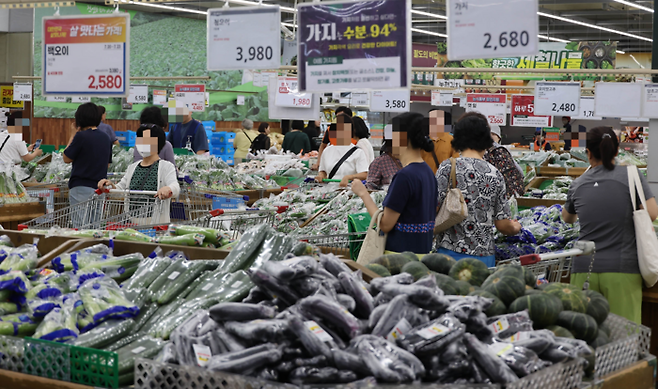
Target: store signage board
441,98
22,92
522,109
8,100
288,95
557,98
138,94
347,45
586,109
244,38
192,96
492,105
618,99
476,30
159,97
390,101
649,100
69,44
290,113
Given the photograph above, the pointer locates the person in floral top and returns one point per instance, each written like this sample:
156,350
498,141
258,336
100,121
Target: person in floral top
383,168
502,160
483,188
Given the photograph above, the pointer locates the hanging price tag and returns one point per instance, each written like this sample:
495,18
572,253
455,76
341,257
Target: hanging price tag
442,99
390,101
493,106
244,38
56,99
649,101
159,97
618,99
22,92
69,45
587,109
80,99
360,99
557,98
139,94
193,96
475,30
288,95
239,100
523,113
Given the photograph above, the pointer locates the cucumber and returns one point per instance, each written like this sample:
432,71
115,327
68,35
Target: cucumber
201,278
179,283
144,347
182,240
146,273
104,334
244,252
274,248
172,272
210,235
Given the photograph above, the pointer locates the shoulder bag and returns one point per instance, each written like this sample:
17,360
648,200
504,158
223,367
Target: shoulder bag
375,241
453,210
645,236
341,161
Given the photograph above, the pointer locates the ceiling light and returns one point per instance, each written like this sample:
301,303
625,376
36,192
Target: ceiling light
594,26
429,32
550,38
431,15
170,8
621,52
630,4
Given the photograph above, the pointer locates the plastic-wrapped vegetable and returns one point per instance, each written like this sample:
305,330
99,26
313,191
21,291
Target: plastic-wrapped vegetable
383,364
23,258
179,279
492,365
333,313
292,268
60,324
147,272
333,264
168,354
210,234
311,341
432,337
247,360
239,257
181,240
240,312
505,326
422,296
312,375
269,283
104,300
105,334
143,347
15,281
17,324
355,288
259,331
521,360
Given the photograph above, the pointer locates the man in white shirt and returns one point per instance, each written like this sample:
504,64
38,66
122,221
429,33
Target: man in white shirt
12,147
354,167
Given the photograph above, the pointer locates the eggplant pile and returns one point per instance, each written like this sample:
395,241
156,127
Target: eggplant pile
311,321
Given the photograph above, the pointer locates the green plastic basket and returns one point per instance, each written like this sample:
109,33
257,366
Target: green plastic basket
47,359
93,367
178,151
47,148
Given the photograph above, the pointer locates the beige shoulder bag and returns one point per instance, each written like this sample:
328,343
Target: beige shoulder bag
453,210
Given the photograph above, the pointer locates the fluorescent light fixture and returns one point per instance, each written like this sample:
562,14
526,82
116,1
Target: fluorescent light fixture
429,32
430,15
631,4
594,26
550,38
246,2
170,8
39,5
621,52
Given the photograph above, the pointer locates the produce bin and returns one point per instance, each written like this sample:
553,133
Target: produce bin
11,215
629,342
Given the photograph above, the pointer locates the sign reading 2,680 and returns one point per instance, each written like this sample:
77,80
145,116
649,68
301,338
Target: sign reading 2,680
512,39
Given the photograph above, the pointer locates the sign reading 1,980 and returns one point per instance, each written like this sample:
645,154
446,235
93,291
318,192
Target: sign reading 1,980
70,42
244,38
475,29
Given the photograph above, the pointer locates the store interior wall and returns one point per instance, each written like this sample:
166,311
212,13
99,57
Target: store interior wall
16,35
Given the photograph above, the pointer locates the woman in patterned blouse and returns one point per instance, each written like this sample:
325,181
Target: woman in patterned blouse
383,168
483,188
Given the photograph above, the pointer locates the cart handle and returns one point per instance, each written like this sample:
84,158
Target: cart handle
219,211
135,192
22,227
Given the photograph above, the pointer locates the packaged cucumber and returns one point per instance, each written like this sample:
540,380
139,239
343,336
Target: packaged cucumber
108,261
60,324
210,234
145,314
105,334
132,235
246,250
144,347
178,282
15,281
165,327
225,287
146,273
104,300
182,240
18,324
23,258
6,241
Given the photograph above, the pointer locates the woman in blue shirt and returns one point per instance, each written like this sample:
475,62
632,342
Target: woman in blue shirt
411,202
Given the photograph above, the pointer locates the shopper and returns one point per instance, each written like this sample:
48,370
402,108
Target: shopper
383,168
439,133
312,130
12,147
106,128
342,160
483,188
502,160
540,143
410,204
340,111
296,141
243,140
262,141
90,152
149,174
566,124
189,131
153,115
360,135
600,199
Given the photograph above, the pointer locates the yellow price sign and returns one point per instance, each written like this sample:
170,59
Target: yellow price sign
8,98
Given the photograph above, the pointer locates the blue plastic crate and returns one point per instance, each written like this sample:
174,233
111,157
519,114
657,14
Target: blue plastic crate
126,136
226,202
225,150
228,158
209,125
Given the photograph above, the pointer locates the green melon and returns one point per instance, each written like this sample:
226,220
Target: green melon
416,269
597,306
470,270
439,263
601,340
464,288
529,277
392,262
543,308
581,325
379,269
506,284
573,299
446,283
496,309
560,331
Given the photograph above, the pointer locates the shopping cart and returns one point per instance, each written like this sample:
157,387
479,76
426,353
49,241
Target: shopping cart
194,202
553,267
338,244
56,195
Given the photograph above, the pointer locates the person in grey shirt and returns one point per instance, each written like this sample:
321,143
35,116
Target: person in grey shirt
601,200
106,128
153,115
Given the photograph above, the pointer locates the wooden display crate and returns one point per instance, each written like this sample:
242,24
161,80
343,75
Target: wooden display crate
11,215
530,202
561,171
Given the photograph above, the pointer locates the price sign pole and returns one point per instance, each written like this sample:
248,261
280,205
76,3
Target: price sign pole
244,38
390,101
476,28
492,105
22,92
74,46
139,94
557,98
287,94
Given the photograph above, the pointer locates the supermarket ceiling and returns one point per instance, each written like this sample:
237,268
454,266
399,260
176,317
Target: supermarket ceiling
630,22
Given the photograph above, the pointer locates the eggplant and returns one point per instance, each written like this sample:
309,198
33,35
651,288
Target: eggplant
314,375
259,331
333,313
432,337
344,360
306,286
256,295
246,364
346,301
274,287
240,312
395,311
376,315
422,296
291,269
495,368
310,340
230,342
317,361
360,294
402,278
333,264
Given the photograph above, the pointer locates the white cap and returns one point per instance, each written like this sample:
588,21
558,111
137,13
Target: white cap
495,129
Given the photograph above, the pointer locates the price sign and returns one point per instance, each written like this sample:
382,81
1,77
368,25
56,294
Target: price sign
193,96
587,109
442,99
244,38
81,99
475,30
649,101
240,100
22,92
361,99
287,94
390,101
159,97
618,99
56,99
492,105
523,113
69,44
557,98
139,94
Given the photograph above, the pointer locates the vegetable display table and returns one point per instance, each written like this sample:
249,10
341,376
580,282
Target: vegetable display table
11,215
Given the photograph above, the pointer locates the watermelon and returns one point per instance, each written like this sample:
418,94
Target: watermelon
573,299
416,269
529,277
446,283
597,306
379,269
392,262
507,284
581,325
470,270
543,308
439,263
464,288
560,331
496,309
601,340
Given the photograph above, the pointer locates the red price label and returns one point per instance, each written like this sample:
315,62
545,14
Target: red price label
301,102
105,82
495,119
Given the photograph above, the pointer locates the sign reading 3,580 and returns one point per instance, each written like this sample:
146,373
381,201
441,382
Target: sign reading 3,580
69,43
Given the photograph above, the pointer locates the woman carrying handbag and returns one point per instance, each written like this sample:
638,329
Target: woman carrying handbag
604,202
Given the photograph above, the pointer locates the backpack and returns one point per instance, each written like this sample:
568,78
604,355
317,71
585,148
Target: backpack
261,142
502,160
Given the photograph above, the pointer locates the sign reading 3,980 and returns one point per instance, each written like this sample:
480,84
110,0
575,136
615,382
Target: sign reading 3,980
86,55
